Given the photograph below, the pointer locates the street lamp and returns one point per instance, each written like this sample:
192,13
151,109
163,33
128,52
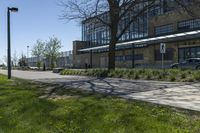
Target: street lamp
13,9
27,51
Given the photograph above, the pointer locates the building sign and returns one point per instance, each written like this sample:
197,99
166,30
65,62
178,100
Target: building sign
162,48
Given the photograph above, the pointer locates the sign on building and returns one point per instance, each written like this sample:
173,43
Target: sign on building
162,48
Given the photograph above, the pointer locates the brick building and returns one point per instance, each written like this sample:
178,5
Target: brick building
140,45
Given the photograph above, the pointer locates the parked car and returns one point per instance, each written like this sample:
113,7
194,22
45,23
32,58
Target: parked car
191,63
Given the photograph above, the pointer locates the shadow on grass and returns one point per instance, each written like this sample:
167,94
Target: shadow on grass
22,111
104,86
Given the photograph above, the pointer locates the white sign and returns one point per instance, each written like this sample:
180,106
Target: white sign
162,48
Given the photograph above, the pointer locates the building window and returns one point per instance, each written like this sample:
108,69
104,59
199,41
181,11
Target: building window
169,5
129,57
99,34
189,24
119,58
164,29
139,57
168,56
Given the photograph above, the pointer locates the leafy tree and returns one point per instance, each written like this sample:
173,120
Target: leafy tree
38,51
39,64
117,11
52,49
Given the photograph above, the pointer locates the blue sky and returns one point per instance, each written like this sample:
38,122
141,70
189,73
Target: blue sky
36,19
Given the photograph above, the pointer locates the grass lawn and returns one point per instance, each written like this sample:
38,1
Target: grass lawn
22,111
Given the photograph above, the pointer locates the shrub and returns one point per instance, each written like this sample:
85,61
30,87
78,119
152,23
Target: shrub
172,78
117,73
72,72
101,73
148,74
136,76
183,76
190,79
196,76
156,74
160,77
141,71
111,73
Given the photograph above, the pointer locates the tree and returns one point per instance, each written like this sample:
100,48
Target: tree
15,59
117,11
22,61
38,51
52,49
38,48
5,60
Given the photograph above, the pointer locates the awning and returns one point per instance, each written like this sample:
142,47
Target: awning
166,38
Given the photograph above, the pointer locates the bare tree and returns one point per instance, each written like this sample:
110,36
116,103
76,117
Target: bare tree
15,59
117,11
22,60
5,60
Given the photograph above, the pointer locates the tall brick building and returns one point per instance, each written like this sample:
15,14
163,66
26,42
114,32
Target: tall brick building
140,45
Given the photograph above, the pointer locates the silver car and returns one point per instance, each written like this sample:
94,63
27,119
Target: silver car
192,63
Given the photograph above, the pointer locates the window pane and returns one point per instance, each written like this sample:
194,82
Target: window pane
164,29
189,24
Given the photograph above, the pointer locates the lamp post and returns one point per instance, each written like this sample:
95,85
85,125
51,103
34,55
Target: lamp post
27,51
13,9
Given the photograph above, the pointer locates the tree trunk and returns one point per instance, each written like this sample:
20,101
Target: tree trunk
111,56
112,45
52,63
114,19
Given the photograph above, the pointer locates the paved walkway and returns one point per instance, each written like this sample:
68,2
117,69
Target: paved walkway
187,96
183,95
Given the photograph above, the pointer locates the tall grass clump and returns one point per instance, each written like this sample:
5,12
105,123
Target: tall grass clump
196,76
173,75
148,74
97,72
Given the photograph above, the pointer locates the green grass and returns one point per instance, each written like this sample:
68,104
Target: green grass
22,111
173,75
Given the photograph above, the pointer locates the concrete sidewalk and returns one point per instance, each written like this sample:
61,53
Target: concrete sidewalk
182,95
187,96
